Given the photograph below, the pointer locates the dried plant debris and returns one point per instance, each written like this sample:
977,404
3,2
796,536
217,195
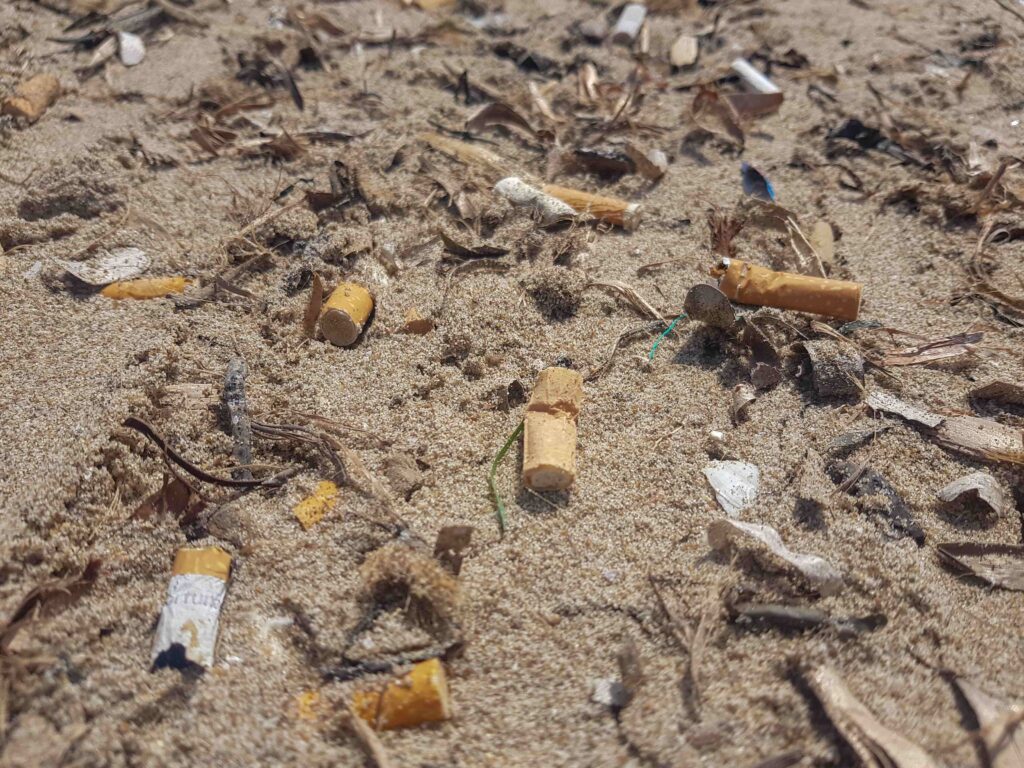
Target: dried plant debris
799,618
847,441
878,497
836,369
175,498
709,305
887,403
714,114
47,600
1005,392
819,573
1000,725
735,484
981,486
118,264
399,575
499,113
1001,565
742,396
937,349
451,542
876,745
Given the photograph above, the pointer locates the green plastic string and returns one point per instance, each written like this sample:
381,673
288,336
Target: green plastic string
666,332
492,477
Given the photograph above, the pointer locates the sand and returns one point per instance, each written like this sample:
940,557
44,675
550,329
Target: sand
546,608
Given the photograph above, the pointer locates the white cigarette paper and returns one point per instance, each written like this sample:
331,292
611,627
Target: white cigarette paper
752,77
518,192
187,631
630,21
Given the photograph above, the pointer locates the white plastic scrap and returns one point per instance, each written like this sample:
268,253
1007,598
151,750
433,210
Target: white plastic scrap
825,577
734,483
130,48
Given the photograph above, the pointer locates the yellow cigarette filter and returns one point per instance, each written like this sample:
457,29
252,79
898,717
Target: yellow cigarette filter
549,430
187,631
345,313
420,696
33,97
311,510
751,284
145,288
621,213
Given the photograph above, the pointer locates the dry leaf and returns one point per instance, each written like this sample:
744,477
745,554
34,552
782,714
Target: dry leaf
742,396
716,116
982,486
498,113
471,252
174,498
651,166
1001,565
875,745
1001,726
1000,392
820,573
734,483
937,349
47,600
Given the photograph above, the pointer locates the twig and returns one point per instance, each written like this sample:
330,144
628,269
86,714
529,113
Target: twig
238,417
148,431
369,740
1006,8
229,276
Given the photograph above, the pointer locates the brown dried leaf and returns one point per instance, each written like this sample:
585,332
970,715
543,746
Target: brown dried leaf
48,600
1001,565
471,252
651,165
716,116
742,396
937,349
875,745
499,113
1000,392
174,498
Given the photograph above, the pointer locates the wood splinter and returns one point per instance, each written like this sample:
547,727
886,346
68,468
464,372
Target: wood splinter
549,436
752,284
345,313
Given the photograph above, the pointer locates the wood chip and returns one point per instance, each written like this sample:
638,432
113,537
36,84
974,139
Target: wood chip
982,486
1001,725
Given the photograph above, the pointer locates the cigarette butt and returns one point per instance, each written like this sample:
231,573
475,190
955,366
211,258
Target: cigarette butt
344,314
621,213
420,696
752,77
145,288
751,284
549,430
630,21
518,192
417,323
311,510
187,631
33,97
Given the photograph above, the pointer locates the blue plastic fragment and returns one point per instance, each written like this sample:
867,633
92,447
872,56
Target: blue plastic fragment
755,184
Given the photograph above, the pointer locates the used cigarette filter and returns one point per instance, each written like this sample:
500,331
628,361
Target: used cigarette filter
621,213
345,313
187,630
751,284
549,430
630,21
145,288
32,98
420,696
518,192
